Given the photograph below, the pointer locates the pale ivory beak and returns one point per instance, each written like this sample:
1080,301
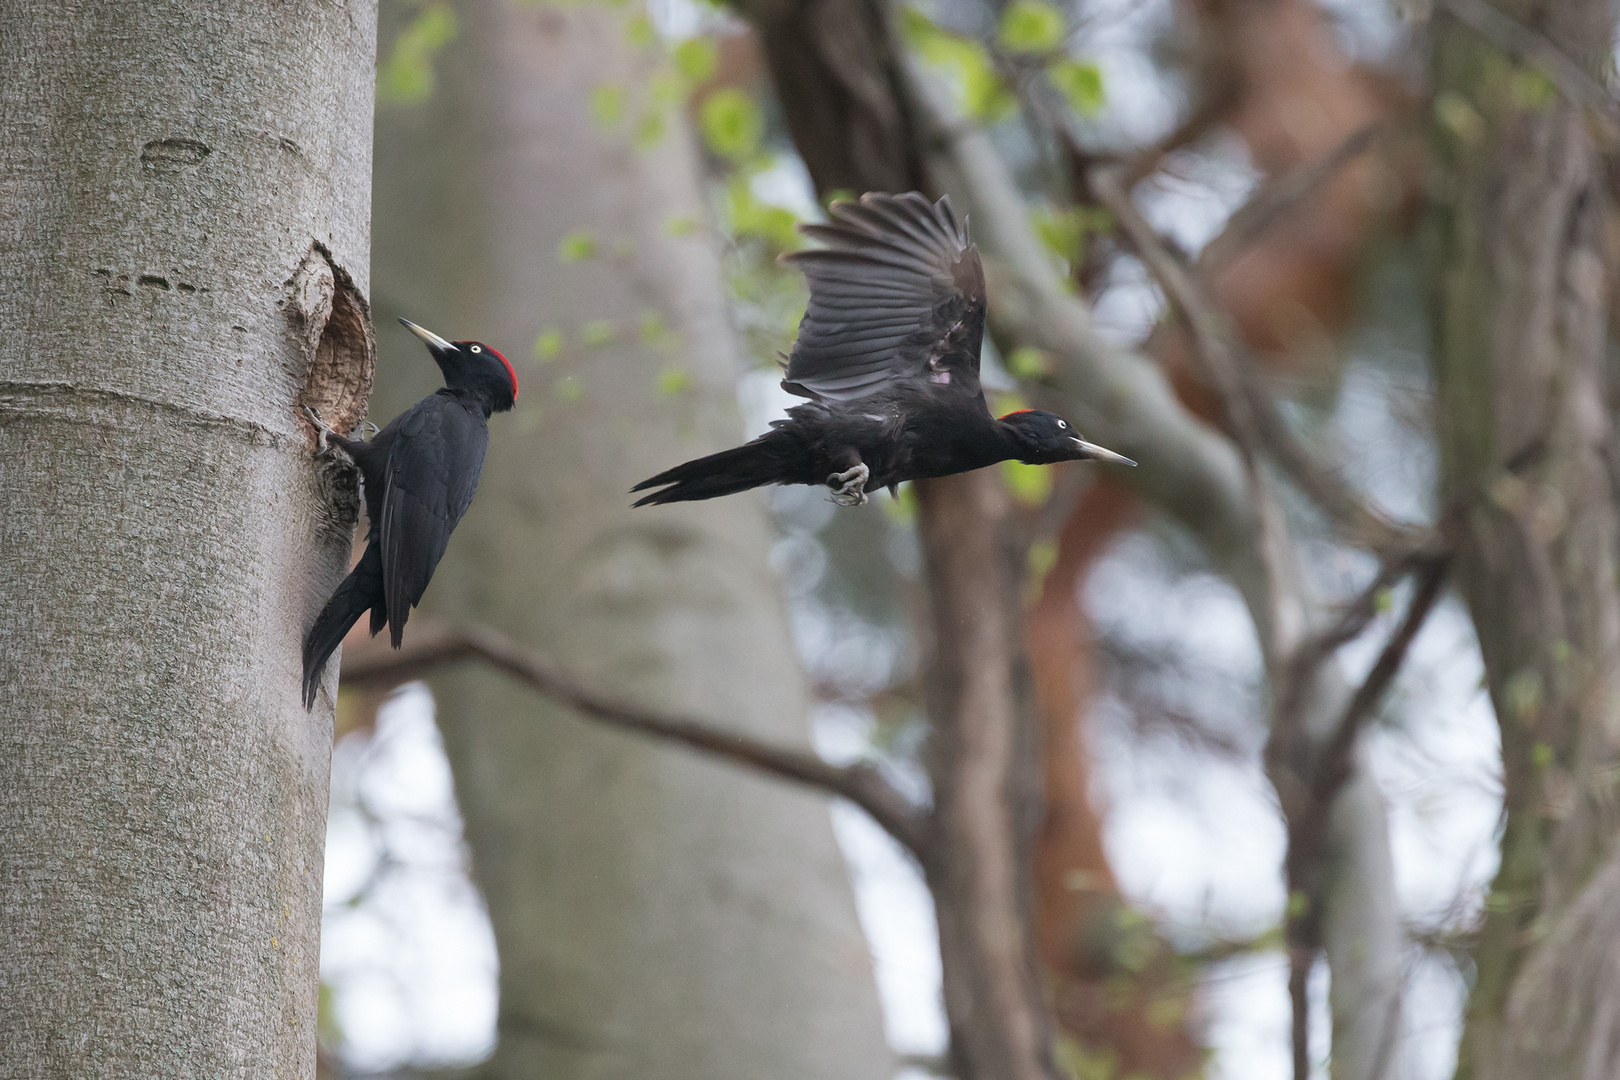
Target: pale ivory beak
1102,453
434,341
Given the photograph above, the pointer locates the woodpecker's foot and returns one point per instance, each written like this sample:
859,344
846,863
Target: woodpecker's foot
322,427
849,487
369,429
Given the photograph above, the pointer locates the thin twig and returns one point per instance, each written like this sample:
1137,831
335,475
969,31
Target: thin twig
861,783
1308,823
1311,652
1254,417
1214,348
1335,763
1275,200
1572,80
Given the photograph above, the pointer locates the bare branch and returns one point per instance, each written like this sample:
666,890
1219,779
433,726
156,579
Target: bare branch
1308,823
1309,655
1335,763
861,783
1255,419
1573,81
1278,198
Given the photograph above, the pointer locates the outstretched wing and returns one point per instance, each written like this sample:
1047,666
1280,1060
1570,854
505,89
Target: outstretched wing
432,472
896,295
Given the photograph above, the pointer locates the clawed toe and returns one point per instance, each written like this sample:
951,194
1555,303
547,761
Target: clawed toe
849,487
321,427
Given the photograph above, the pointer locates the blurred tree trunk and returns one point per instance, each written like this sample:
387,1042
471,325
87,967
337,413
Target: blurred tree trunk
657,914
1521,271
183,257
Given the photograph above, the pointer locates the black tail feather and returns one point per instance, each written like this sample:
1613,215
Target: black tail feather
361,591
776,457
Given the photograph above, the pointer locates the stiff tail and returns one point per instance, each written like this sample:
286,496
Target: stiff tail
361,591
774,458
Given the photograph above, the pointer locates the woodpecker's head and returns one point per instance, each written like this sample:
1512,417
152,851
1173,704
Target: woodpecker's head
472,366
1041,438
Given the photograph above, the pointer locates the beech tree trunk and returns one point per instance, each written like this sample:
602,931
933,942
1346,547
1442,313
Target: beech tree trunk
183,259
657,914
1522,276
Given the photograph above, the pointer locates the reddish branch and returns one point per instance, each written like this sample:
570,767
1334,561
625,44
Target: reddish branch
860,783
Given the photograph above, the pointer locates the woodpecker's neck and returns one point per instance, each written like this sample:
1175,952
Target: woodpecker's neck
471,399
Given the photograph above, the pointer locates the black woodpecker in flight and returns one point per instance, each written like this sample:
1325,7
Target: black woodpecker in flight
888,356
419,474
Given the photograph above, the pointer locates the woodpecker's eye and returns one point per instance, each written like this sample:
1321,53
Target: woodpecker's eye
1061,424
477,348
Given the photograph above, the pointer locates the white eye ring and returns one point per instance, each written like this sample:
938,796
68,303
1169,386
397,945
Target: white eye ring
476,348
1061,424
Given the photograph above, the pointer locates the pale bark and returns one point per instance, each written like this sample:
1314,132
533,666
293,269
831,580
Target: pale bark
1522,273
657,914
183,257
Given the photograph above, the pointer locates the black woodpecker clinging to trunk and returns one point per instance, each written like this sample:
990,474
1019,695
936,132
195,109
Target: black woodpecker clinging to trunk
419,475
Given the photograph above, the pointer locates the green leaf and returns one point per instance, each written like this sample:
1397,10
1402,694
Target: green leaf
607,104
640,32
597,332
406,77
1458,115
982,94
1027,363
1032,26
1530,89
1029,484
569,388
674,380
1080,83
1042,557
750,217
682,225
696,59
732,124
650,131
902,509
576,247
548,344
654,331
1009,402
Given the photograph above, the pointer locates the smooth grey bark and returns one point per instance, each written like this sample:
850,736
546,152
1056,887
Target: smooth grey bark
183,253
656,914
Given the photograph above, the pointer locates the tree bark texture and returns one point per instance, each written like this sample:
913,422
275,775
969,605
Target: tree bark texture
657,914
1521,277
183,259
983,759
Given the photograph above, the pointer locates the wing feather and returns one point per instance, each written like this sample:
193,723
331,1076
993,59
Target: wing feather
896,295
431,475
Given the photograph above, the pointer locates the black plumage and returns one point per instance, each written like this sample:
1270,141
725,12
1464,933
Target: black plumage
888,356
419,474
